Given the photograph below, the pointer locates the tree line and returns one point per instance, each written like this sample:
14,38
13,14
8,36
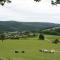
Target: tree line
24,35
18,35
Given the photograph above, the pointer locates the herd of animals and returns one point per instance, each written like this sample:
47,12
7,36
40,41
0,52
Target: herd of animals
47,51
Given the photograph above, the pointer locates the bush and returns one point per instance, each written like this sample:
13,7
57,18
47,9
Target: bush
56,41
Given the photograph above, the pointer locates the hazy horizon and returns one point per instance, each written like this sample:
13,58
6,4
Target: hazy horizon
28,22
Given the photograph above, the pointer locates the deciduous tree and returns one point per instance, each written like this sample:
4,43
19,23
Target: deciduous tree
2,2
41,37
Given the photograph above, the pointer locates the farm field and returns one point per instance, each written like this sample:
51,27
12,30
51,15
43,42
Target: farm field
31,47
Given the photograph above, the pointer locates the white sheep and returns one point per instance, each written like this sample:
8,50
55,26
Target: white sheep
45,50
52,51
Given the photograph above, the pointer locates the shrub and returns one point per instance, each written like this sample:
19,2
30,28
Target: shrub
56,41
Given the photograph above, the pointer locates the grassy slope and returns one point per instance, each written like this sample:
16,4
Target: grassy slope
53,29
31,47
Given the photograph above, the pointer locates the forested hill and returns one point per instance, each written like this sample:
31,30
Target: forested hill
52,31
24,26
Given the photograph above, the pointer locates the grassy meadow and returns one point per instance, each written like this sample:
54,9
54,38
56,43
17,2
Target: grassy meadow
31,47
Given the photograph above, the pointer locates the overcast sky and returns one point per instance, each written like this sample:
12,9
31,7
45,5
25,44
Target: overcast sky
30,11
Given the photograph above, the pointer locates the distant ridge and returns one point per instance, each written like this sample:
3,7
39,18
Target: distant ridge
24,26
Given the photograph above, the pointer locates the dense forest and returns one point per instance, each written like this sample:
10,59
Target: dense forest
10,26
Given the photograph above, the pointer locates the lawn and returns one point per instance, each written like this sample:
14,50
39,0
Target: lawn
31,47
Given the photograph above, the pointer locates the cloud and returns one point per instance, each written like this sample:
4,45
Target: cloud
28,10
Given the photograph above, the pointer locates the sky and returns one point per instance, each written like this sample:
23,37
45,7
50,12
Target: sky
30,11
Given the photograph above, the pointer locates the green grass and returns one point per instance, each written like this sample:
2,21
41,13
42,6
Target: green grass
31,47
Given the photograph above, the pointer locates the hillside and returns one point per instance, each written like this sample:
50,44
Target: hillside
52,31
24,26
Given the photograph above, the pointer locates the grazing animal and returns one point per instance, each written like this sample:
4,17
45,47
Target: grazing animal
47,51
16,51
22,51
52,51
43,50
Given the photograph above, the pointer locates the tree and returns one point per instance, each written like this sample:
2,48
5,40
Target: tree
2,2
37,0
56,2
41,37
52,2
2,37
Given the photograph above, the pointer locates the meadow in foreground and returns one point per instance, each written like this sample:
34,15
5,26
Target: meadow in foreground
31,47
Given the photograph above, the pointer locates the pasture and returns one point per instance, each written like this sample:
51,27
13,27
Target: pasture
31,47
